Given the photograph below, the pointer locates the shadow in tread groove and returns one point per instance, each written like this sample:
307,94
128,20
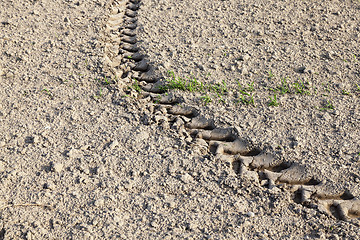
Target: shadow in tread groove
344,196
312,182
2,234
253,152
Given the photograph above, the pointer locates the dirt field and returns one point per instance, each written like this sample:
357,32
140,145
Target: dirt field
165,119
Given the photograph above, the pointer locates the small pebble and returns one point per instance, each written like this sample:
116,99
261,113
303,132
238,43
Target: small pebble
335,236
186,178
50,186
114,144
57,167
301,69
250,214
36,139
2,166
244,71
154,224
30,236
99,202
117,219
74,153
246,57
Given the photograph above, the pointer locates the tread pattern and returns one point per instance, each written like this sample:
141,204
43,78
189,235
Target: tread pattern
123,59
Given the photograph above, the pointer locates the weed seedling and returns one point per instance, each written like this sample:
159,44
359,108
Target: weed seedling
175,83
247,101
284,88
250,87
206,99
194,85
328,106
163,88
239,84
357,87
99,94
300,88
223,87
344,92
327,87
271,89
315,89
271,75
47,91
157,99
214,87
220,98
136,86
107,82
188,84
273,101
245,97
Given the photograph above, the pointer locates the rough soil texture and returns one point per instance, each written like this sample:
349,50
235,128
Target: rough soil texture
86,154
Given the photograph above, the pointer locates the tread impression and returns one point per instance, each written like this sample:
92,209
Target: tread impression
124,61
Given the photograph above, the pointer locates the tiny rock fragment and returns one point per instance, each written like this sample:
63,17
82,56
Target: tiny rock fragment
36,139
99,202
2,166
186,178
114,144
74,153
49,185
250,214
57,167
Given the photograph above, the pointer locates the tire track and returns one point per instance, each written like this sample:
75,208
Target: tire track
124,61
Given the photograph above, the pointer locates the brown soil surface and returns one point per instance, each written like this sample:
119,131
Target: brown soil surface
86,154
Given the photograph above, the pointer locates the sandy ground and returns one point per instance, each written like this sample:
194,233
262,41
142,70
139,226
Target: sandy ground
84,154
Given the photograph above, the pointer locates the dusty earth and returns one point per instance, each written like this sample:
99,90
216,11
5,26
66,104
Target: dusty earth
87,152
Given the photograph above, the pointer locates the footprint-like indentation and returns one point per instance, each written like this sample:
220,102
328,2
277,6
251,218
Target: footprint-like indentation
342,209
141,66
128,32
134,56
186,111
221,134
131,26
308,190
128,39
130,47
166,99
130,13
133,6
201,123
